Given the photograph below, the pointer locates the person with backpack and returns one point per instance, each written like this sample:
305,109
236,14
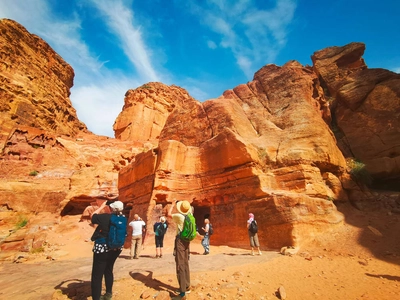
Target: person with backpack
252,229
105,252
205,242
160,228
185,232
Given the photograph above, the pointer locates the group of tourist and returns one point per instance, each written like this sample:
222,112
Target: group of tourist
104,258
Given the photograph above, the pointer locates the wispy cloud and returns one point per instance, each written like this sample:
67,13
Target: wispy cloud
211,44
120,20
254,36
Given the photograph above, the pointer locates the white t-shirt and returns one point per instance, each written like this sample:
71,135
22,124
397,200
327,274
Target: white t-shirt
137,227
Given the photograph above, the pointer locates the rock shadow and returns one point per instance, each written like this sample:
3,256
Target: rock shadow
379,231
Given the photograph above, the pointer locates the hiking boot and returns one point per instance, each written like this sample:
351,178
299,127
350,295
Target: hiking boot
106,296
259,253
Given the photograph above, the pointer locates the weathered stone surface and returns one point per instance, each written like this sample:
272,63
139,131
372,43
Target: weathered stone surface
145,111
263,147
35,83
43,172
366,105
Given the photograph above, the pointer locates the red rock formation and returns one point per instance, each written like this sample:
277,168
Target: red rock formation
263,147
145,111
36,84
366,105
43,172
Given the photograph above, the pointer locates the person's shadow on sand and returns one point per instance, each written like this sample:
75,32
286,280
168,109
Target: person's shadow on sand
151,282
75,289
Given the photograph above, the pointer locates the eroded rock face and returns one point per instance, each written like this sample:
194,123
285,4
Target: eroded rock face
146,110
47,173
366,105
35,83
264,148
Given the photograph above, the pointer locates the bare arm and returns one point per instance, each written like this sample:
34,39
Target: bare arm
99,209
171,208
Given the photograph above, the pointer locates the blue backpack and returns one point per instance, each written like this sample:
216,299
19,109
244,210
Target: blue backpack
117,233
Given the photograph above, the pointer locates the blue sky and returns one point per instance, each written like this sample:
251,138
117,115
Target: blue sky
204,46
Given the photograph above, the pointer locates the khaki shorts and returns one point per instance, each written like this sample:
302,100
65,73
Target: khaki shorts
253,240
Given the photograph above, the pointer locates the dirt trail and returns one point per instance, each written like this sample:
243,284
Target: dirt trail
359,260
39,280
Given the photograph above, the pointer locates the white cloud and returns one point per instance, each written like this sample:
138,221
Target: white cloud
120,20
254,36
211,44
100,103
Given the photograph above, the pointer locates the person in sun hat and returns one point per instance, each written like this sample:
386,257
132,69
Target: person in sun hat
103,257
181,248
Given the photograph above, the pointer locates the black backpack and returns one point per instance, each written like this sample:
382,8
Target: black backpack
161,229
210,229
253,228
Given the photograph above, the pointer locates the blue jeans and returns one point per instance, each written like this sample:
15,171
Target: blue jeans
205,242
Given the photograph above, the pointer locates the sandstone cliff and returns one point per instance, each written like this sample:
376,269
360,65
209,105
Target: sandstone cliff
35,84
263,147
366,108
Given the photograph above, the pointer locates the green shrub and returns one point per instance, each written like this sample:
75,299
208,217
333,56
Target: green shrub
37,250
21,223
358,171
262,153
33,173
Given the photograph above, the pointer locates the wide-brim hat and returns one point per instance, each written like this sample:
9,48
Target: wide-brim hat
183,207
117,206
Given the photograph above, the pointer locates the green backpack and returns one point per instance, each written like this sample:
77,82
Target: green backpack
189,228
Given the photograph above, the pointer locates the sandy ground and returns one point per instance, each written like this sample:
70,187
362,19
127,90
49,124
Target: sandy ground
359,260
